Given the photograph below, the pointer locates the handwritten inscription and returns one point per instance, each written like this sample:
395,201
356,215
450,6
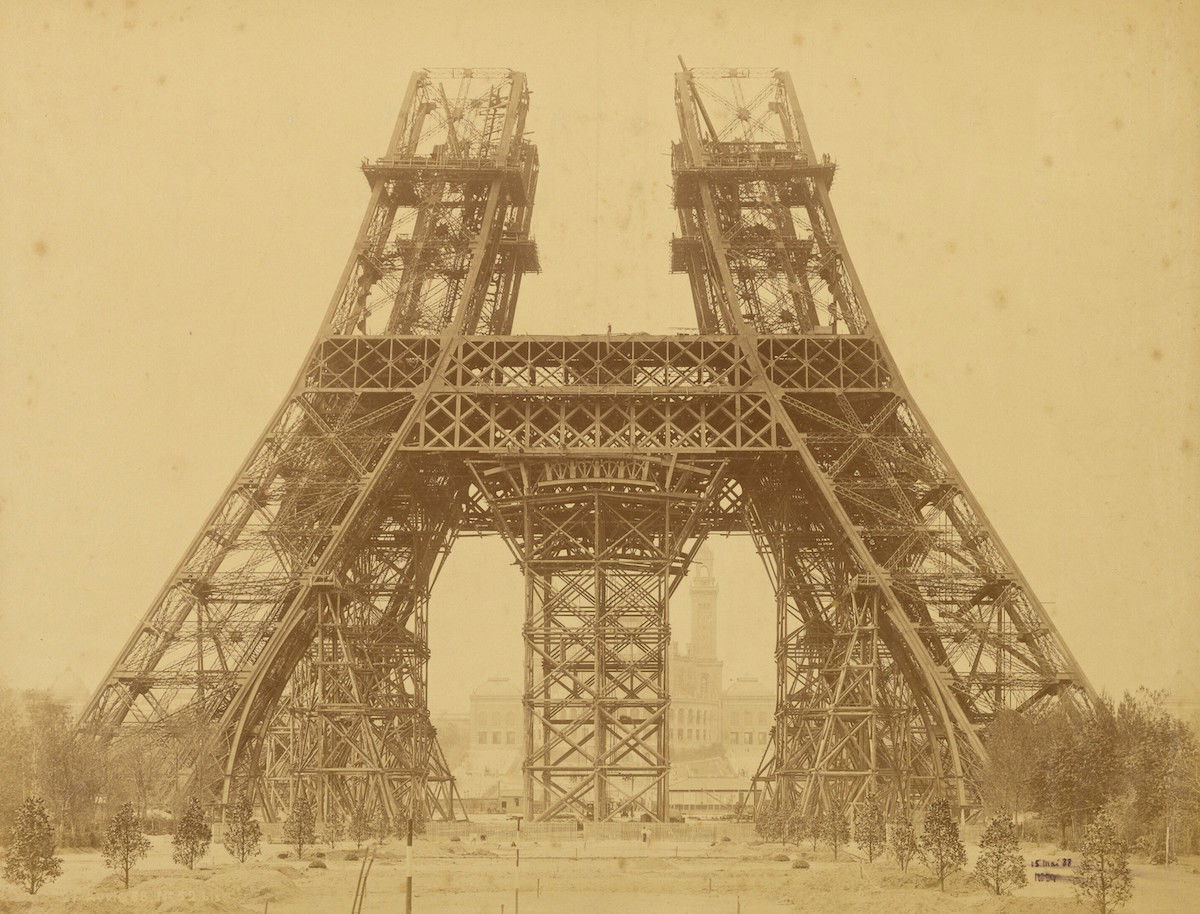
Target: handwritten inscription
1044,864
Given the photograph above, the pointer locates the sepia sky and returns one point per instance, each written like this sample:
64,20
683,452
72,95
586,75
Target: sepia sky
1018,183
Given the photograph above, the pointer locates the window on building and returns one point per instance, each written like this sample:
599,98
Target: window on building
482,736
762,737
749,739
733,737
510,737
495,737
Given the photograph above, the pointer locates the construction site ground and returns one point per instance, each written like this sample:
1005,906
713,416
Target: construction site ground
478,874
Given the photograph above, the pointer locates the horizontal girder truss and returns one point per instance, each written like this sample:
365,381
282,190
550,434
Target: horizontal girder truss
612,365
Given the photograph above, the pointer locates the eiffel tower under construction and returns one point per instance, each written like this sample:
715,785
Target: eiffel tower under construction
287,652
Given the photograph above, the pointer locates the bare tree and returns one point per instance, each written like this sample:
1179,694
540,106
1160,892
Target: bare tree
138,771
1009,777
68,770
15,759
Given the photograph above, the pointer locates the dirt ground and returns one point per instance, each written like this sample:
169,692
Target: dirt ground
473,875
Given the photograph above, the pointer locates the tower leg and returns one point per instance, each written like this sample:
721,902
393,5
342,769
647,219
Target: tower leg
848,720
352,729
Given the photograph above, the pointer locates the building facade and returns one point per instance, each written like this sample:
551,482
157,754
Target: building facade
496,727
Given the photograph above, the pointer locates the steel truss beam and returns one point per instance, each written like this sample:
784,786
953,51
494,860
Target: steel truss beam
288,650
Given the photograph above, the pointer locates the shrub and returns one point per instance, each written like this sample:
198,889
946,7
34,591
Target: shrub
940,847
999,865
124,841
192,836
30,862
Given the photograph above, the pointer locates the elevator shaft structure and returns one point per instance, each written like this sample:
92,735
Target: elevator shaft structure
288,652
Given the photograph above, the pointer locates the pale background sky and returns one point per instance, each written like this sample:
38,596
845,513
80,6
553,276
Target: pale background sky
1018,186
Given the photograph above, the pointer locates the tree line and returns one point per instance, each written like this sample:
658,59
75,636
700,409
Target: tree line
77,779
31,858
60,790
1103,879
1131,760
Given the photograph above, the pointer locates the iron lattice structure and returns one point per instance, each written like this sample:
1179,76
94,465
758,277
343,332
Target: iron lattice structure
288,650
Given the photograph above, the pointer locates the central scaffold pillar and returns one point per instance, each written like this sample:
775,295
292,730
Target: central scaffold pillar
603,542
